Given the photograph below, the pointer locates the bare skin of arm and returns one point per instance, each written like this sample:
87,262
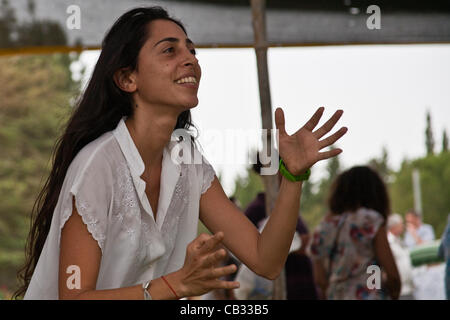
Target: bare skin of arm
387,263
79,248
265,253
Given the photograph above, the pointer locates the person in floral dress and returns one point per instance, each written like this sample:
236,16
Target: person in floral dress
351,241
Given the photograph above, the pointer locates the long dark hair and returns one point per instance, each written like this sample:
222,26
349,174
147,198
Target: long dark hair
359,187
99,110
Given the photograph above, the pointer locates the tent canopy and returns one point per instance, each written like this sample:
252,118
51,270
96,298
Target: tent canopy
42,24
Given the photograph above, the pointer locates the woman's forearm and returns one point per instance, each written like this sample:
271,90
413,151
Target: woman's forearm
276,238
158,291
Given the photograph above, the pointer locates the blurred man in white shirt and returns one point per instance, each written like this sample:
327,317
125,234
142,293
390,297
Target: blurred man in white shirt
401,255
417,232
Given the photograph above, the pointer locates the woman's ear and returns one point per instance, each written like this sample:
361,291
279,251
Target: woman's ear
125,79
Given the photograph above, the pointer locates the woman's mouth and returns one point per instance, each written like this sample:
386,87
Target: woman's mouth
188,82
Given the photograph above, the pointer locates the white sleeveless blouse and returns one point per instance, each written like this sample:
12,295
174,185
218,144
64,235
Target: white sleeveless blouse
104,178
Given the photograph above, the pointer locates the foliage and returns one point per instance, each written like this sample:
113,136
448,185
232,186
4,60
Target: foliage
435,181
30,33
429,140
444,141
313,204
381,165
35,93
247,187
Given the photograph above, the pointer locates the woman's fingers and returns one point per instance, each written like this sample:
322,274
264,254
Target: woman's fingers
279,121
222,271
312,123
333,138
222,284
323,130
214,258
202,270
207,244
329,154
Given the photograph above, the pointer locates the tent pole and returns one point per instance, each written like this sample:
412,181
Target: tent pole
270,181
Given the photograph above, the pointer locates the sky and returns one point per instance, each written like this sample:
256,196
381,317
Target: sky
384,90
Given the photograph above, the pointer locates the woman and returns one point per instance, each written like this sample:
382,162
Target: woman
353,237
117,218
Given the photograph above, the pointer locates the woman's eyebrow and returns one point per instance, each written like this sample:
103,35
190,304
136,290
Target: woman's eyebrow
171,39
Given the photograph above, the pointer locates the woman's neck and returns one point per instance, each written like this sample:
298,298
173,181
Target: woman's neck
151,131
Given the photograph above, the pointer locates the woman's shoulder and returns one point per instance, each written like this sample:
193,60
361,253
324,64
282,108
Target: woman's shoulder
97,156
195,156
204,170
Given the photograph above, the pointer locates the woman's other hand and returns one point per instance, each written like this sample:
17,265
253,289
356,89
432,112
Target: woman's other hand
202,269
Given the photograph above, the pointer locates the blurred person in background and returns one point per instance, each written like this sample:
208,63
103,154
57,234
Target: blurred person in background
353,237
417,232
300,282
401,255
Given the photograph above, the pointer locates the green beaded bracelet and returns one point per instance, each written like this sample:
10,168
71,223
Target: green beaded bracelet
285,172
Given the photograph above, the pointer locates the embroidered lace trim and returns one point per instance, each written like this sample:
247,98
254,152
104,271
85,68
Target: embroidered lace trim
208,176
88,218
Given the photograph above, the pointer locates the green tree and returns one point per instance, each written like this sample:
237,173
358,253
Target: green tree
32,32
381,165
435,181
247,187
313,204
429,140
35,93
7,24
333,168
444,141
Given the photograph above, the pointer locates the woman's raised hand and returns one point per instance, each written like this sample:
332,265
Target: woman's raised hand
202,270
301,150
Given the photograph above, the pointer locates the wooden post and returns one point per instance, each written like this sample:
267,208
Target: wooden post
270,181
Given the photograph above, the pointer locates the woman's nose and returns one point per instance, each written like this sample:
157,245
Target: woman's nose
190,58
191,61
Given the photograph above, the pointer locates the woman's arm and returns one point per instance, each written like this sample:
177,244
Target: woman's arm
80,249
198,275
387,262
266,254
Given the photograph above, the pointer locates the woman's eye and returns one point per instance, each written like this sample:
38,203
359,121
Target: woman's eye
168,50
194,52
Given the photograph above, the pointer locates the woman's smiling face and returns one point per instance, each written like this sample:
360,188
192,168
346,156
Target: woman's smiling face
168,72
